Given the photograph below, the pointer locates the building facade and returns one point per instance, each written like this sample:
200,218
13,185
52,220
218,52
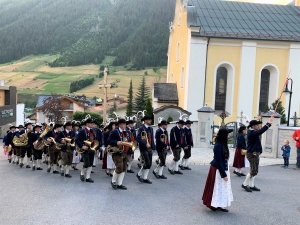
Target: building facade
234,56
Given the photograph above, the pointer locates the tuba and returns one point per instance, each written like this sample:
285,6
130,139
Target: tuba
119,149
21,141
92,145
41,143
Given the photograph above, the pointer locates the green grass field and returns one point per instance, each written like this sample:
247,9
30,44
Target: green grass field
31,75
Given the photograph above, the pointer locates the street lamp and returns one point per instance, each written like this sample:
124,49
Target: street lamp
290,92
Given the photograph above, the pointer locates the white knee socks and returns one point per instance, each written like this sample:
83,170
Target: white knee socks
251,182
171,167
140,173
176,165
82,172
145,174
160,170
67,169
114,177
120,178
88,172
247,180
129,165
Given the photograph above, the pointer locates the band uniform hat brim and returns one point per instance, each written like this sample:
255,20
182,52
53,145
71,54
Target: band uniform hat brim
188,122
129,122
254,122
12,127
57,126
120,121
146,118
101,126
21,126
26,124
89,120
163,122
69,123
36,126
181,122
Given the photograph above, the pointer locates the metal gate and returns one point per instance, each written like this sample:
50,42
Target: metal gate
233,135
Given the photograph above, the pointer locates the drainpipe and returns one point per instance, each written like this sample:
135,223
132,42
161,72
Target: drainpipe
208,40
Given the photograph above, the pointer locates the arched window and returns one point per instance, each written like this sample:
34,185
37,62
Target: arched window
264,90
221,89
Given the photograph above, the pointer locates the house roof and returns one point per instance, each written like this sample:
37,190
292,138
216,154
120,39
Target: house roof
41,99
164,107
166,92
228,19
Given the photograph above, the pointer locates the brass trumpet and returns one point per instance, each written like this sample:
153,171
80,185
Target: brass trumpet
70,140
92,145
120,149
144,136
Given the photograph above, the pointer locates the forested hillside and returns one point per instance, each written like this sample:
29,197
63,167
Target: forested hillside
85,31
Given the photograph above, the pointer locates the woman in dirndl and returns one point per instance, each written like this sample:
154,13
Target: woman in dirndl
239,159
108,163
217,193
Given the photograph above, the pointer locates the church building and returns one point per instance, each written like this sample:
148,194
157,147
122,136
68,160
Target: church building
234,56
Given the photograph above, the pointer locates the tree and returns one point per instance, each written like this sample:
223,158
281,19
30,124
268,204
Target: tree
129,107
280,109
52,108
149,108
142,95
112,110
79,116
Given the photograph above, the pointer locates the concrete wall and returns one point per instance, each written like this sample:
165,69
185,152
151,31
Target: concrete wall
287,133
173,112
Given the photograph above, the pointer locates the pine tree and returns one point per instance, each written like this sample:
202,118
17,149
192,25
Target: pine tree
141,97
112,110
129,107
149,108
280,109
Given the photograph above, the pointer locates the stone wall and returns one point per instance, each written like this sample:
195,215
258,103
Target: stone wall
287,133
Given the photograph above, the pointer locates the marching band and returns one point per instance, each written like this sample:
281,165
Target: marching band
114,144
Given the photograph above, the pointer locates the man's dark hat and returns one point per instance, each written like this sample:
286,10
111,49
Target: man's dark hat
26,124
57,125
20,126
44,124
146,118
101,126
89,120
11,127
120,121
181,122
224,131
188,122
74,124
254,122
159,124
164,122
129,122
36,126
68,123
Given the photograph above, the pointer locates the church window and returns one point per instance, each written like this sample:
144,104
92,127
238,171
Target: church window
182,78
178,52
221,89
264,90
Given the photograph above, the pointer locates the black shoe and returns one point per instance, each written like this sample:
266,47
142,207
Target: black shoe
68,175
28,167
155,174
122,187
89,180
48,170
39,168
81,177
147,181
178,172
33,168
171,171
212,208
62,174
9,160
110,175
21,165
92,172
237,173
181,167
93,166
114,185
242,174
246,188
55,172
17,163
162,177
14,162
254,189
157,162
130,171
44,161
222,209
139,178
75,168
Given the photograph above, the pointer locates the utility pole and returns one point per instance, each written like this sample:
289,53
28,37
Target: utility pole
105,85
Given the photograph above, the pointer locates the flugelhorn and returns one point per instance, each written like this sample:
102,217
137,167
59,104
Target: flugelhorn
70,140
92,144
119,149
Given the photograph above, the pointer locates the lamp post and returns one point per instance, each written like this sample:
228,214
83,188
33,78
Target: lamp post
290,92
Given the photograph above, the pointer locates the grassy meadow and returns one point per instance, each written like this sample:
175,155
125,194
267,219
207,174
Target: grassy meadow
32,75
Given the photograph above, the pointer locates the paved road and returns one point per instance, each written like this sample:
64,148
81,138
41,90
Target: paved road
36,197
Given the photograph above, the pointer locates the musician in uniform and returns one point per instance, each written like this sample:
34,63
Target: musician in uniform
146,143
66,149
76,155
189,144
9,142
45,150
130,153
53,149
177,141
86,134
26,150
162,146
37,154
99,139
108,163
115,139
18,148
